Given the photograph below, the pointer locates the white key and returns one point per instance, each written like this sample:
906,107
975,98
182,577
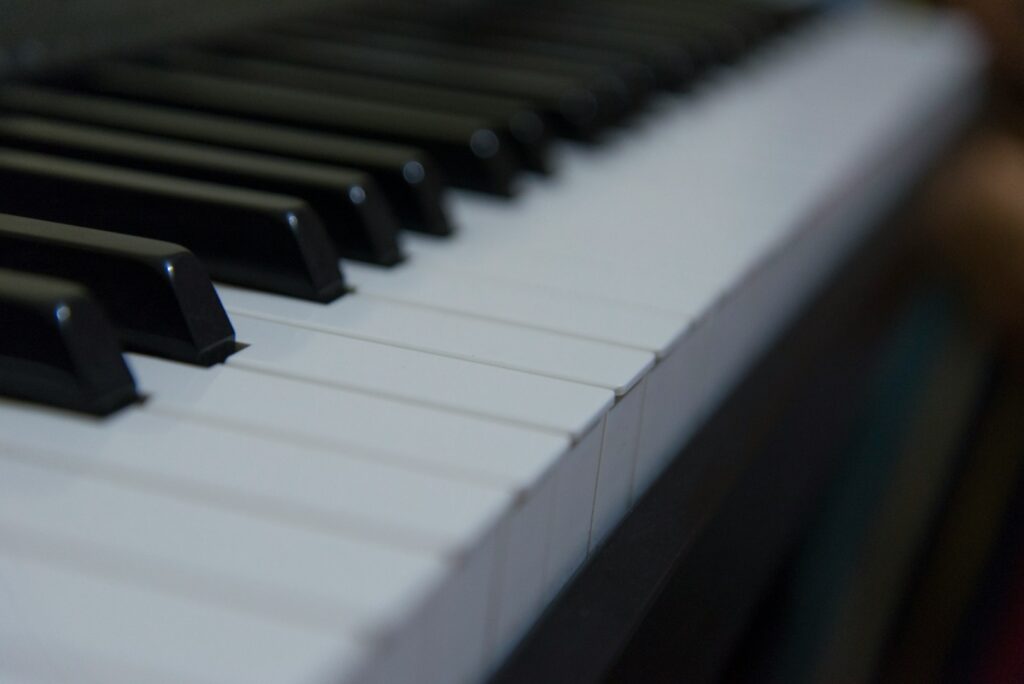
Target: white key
528,463
714,242
60,625
459,385
280,570
618,463
317,489
487,342
453,383
464,337
350,495
417,437
441,285
679,235
521,396
422,378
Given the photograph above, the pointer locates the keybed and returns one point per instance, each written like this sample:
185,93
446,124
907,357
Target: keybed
565,229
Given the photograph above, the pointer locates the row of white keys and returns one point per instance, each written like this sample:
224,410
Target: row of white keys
697,226
353,496
553,478
361,420
61,624
496,343
335,415
763,155
264,567
788,217
418,377
449,296
554,496
563,313
761,161
525,304
415,329
304,577
503,345
475,389
600,443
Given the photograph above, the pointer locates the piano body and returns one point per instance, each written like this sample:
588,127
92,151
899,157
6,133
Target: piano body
392,484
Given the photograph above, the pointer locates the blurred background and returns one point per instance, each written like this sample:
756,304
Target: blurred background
913,566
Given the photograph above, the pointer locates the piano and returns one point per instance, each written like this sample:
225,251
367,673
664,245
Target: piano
566,231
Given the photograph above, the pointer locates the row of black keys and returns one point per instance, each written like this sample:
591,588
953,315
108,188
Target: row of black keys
267,154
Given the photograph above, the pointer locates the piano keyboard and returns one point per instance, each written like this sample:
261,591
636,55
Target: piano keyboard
402,461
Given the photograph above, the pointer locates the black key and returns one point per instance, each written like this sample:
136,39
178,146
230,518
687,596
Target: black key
259,240
57,347
472,152
709,34
527,130
407,176
752,23
603,81
672,63
625,71
633,81
157,294
568,101
351,207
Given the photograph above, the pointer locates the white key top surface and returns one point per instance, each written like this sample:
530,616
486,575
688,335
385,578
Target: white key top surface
419,377
353,495
533,466
419,437
712,184
309,577
439,332
440,284
63,625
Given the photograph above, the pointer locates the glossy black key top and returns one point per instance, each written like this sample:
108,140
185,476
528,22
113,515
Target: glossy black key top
527,129
472,152
672,63
709,34
749,23
351,207
408,177
615,92
622,71
577,106
254,239
58,348
156,294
